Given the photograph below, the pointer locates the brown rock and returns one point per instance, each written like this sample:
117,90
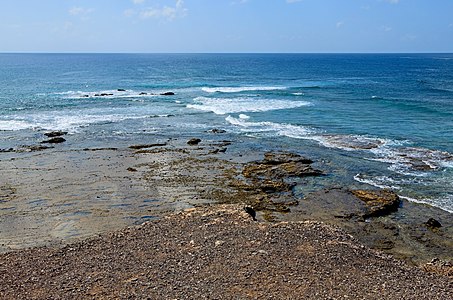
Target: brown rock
193,142
379,202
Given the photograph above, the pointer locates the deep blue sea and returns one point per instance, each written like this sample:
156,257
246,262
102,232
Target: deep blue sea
368,119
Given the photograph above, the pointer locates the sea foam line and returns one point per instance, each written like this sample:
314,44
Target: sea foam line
222,106
241,89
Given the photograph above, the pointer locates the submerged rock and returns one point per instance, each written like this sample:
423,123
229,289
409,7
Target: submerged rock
216,130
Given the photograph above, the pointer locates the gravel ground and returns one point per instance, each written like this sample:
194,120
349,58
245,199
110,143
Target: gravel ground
216,252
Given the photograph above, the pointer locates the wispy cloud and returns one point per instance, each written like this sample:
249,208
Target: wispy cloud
293,1
393,1
80,11
340,24
386,28
158,12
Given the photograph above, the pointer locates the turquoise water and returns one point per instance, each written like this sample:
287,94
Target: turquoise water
381,120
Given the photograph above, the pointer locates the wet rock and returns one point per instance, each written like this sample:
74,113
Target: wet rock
7,150
143,93
55,140
193,142
121,90
106,94
52,134
433,223
132,169
379,202
85,96
167,94
138,147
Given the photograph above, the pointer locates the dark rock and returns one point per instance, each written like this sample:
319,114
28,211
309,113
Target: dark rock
215,130
223,150
7,150
251,212
138,147
97,95
55,133
143,93
55,140
85,96
106,94
167,94
121,90
193,142
276,158
132,169
433,223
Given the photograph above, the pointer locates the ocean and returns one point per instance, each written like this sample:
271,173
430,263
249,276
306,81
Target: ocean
368,120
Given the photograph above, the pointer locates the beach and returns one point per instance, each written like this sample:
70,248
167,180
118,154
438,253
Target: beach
192,237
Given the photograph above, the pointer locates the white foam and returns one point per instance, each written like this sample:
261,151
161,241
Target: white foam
298,94
288,130
444,203
222,106
241,89
14,125
378,181
244,117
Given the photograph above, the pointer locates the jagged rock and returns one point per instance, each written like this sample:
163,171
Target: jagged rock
55,133
55,140
167,94
379,202
193,142
251,212
433,223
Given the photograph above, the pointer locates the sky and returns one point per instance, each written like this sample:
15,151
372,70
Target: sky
205,26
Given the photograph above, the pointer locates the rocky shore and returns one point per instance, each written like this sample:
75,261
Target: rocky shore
52,196
216,252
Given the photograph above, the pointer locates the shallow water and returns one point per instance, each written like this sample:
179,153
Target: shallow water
380,120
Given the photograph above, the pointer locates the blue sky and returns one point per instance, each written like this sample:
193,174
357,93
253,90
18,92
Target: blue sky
226,26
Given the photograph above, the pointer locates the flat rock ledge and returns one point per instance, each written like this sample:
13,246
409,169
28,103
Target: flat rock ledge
216,252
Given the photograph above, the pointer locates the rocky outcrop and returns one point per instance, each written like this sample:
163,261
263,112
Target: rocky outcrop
281,165
378,202
167,94
55,140
52,134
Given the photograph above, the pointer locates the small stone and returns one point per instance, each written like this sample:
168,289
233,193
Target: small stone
193,142
433,223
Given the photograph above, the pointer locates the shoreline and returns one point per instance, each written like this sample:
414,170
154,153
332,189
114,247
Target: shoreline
58,196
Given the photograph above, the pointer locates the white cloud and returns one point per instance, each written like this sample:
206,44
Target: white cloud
80,11
386,28
165,12
138,1
339,24
293,1
393,1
